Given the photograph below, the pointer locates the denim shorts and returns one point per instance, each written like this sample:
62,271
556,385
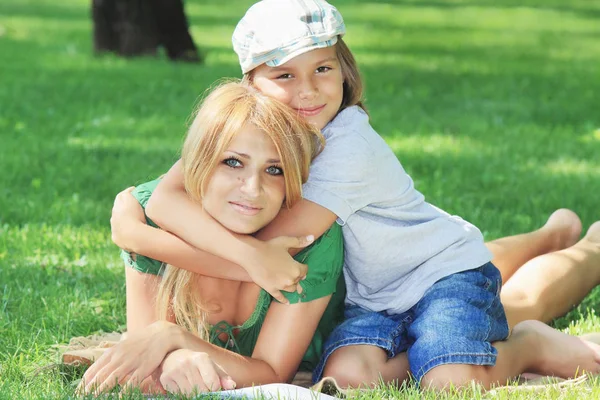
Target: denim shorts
455,322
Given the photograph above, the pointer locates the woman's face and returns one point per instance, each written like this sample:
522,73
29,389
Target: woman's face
247,188
310,83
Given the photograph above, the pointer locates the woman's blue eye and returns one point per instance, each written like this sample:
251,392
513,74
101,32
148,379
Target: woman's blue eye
232,162
272,170
323,69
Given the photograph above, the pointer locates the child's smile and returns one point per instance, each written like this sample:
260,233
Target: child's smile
311,83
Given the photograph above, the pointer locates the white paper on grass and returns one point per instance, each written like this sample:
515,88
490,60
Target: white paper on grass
274,391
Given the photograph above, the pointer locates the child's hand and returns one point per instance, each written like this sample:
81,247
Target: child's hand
274,269
126,214
188,372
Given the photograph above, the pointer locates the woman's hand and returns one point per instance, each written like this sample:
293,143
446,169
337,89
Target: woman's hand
189,372
273,268
126,215
132,360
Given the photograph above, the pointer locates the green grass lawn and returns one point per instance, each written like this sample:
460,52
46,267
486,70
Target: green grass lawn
493,107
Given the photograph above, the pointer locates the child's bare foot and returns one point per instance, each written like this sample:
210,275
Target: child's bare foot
593,233
565,227
593,337
560,354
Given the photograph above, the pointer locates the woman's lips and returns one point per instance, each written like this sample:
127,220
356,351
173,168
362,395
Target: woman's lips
311,111
245,209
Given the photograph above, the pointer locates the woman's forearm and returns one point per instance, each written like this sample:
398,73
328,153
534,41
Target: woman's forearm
245,371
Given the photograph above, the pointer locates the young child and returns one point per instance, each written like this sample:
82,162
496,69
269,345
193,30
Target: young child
422,294
245,157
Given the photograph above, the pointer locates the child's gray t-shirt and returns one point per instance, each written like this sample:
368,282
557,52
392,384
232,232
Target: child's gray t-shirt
396,244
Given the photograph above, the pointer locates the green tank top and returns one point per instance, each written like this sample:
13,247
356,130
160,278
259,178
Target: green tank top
324,259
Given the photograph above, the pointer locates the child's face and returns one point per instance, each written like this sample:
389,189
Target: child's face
311,83
247,188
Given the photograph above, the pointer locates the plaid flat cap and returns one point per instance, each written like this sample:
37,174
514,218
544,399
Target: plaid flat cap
275,31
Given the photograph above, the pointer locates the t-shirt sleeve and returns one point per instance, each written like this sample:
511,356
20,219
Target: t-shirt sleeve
325,259
138,262
142,194
340,175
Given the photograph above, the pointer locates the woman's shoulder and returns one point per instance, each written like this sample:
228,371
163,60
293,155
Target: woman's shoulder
142,192
325,259
330,241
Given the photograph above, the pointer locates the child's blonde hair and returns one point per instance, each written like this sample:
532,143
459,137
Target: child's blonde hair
353,84
220,117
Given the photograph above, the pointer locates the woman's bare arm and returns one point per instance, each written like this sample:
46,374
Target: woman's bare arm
141,292
284,338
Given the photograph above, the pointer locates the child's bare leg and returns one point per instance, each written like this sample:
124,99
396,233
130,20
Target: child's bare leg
532,347
562,230
550,285
365,366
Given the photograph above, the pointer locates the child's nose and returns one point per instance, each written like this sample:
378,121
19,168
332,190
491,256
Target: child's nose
307,90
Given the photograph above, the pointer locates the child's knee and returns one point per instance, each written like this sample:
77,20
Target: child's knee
352,368
449,376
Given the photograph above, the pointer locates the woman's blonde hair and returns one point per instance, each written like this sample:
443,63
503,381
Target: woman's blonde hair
219,118
225,111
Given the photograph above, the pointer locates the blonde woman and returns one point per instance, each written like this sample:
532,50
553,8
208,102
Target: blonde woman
245,157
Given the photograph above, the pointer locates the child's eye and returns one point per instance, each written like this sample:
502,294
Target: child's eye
285,76
273,170
232,162
323,69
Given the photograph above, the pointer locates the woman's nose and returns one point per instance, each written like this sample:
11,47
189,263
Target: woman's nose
251,185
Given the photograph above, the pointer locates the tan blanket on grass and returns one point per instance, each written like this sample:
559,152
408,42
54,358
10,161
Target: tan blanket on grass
85,350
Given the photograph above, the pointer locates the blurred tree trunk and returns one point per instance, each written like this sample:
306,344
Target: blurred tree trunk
132,28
